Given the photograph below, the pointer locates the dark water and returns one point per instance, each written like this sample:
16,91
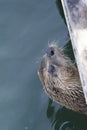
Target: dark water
26,27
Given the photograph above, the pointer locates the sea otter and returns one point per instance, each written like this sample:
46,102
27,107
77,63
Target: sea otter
60,79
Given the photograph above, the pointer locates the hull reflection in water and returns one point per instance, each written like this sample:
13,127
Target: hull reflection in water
64,119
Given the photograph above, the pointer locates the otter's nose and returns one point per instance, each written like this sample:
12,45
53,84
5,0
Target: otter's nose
50,51
51,69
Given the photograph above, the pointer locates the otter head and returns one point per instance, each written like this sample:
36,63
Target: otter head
59,76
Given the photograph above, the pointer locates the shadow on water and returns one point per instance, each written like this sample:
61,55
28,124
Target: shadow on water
64,119
68,51
60,9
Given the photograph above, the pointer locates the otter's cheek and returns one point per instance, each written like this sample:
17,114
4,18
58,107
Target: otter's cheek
52,70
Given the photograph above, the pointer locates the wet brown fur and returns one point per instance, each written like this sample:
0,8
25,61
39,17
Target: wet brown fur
64,86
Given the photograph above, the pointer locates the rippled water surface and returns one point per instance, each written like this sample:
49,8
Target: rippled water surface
26,28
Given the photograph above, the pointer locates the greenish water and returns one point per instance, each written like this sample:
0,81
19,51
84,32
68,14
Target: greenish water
26,28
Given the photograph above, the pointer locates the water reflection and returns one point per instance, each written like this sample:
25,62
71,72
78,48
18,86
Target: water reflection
64,119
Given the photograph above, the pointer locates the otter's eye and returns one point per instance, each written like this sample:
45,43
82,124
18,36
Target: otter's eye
50,51
51,69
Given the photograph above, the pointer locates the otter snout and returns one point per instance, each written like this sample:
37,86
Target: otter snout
50,51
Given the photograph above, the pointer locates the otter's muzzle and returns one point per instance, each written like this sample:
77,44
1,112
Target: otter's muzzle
50,51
